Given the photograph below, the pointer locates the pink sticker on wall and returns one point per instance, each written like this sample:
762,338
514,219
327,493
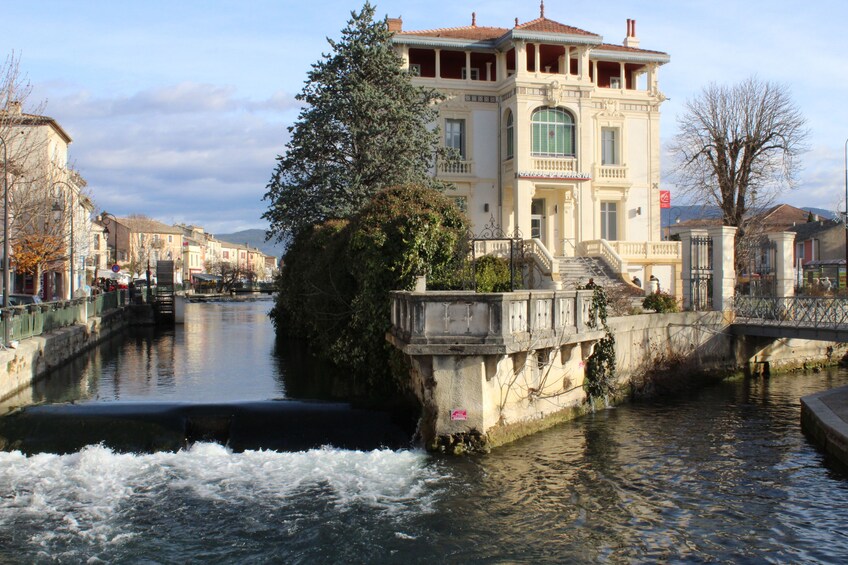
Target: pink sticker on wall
459,414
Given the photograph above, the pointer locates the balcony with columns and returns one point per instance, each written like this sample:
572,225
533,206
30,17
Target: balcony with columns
568,65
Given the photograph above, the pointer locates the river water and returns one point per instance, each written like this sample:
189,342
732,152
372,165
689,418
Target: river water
722,475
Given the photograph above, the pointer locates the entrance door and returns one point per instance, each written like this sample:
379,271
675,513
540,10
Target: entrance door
537,219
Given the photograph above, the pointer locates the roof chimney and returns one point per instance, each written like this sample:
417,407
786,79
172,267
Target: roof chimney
542,9
14,108
473,19
395,24
631,40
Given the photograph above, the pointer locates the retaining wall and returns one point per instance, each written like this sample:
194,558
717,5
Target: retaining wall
35,356
488,369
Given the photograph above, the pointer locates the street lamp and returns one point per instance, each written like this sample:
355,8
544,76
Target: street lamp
56,208
6,246
104,216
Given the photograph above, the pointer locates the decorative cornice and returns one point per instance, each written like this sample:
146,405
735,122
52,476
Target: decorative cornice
628,56
563,38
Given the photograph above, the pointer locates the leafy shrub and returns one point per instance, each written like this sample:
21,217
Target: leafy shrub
334,288
492,274
661,302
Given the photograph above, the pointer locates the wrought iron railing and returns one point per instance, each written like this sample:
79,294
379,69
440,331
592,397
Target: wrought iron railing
795,311
36,319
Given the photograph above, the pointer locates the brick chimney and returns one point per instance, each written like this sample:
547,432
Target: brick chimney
395,24
631,40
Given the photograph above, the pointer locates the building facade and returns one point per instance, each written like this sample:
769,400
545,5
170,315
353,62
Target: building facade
48,211
556,132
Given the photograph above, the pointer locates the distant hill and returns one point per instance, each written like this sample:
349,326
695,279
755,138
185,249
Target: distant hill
254,238
683,213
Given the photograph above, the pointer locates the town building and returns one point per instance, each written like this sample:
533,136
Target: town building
820,254
49,213
140,242
556,134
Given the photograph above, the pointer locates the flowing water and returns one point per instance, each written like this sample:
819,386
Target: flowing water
723,475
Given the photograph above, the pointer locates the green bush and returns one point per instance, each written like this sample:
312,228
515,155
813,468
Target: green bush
661,302
334,288
492,274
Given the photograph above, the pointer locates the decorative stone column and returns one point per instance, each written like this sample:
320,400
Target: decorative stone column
724,269
783,270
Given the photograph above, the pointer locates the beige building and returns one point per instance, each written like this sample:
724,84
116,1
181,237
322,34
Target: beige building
557,134
139,241
47,208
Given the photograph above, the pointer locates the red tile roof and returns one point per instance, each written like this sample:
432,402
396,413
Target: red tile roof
543,25
550,26
469,32
613,47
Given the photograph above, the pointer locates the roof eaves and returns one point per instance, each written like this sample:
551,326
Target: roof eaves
571,39
627,56
453,42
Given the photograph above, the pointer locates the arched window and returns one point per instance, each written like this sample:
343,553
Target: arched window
553,132
510,135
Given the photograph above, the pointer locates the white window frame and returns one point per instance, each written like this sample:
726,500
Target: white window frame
452,136
610,145
609,220
475,73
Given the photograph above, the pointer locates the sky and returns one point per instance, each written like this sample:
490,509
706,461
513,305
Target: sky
178,110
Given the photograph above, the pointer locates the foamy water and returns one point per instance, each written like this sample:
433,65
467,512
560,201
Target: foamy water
100,505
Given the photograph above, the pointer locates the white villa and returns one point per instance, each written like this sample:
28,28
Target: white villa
558,136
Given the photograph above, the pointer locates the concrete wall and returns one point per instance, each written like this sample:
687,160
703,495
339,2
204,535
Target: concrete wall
476,395
36,356
489,368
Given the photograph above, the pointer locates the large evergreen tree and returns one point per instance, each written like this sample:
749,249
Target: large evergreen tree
363,127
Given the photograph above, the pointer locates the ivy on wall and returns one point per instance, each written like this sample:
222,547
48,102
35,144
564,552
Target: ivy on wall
599,379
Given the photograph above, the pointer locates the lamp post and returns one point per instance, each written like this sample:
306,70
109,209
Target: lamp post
104,216
6,246
71,243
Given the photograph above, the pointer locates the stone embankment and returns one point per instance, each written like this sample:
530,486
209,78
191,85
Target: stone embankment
490,368
33,357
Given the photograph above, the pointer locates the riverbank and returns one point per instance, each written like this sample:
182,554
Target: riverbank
36,356
824,418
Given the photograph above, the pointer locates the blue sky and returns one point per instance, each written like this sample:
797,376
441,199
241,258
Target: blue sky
178,109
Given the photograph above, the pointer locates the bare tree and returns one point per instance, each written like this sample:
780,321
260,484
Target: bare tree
43,189
738,147
231,273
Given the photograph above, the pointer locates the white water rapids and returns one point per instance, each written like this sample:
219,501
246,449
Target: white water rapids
86,505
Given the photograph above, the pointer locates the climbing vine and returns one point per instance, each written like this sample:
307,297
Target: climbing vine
600,366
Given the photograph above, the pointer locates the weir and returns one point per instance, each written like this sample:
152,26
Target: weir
140,427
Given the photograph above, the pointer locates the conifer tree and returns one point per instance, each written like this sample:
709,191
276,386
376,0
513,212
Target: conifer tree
363,127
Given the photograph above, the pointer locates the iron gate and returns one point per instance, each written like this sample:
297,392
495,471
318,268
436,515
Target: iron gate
701,281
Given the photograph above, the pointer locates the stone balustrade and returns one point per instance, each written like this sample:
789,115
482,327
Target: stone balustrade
447,322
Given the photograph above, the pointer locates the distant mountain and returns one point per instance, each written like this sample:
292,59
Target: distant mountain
683,213
254,238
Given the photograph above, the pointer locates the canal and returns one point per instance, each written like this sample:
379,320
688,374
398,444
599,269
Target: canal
723,474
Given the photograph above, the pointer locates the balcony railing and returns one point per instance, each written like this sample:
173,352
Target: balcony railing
555,164
647,250
610,173
456,167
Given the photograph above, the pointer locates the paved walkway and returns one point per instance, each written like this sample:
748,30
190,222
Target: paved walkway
824,417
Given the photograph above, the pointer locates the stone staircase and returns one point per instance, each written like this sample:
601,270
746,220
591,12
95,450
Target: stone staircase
576,271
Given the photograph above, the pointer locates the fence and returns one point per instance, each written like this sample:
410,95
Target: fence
36,319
